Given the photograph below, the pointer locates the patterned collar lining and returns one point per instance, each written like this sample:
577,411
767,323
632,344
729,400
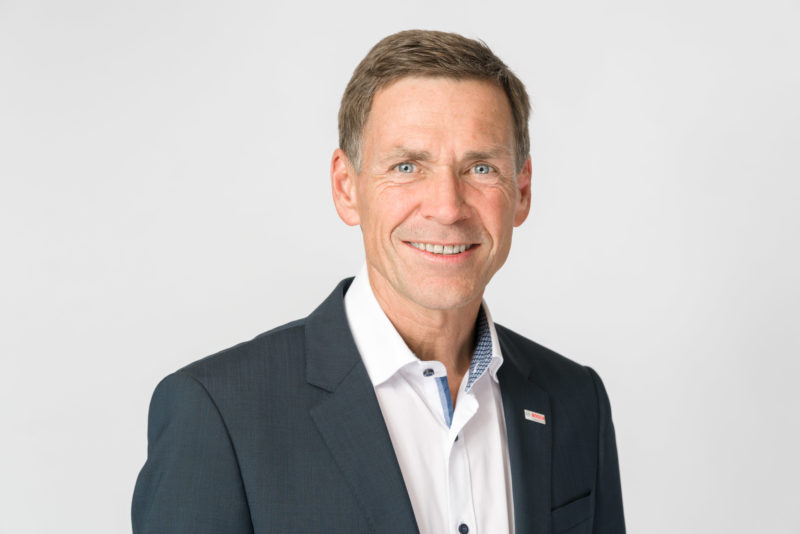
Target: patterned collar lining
482,356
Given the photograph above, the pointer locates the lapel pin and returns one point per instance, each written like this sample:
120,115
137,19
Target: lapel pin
535,417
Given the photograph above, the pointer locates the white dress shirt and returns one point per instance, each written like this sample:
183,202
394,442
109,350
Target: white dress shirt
454,460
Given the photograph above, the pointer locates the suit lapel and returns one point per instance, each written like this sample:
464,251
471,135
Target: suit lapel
350,420
529,442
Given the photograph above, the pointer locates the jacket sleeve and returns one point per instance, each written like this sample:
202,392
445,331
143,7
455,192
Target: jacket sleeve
191,482
608,514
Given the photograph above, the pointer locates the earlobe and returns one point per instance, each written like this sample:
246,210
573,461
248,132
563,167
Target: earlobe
524,187
343,188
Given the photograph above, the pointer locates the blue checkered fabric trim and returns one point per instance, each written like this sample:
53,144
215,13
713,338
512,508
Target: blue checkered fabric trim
483,350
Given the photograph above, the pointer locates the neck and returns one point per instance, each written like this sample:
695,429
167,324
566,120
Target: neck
445,335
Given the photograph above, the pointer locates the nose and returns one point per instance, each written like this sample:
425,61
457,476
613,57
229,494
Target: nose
444,198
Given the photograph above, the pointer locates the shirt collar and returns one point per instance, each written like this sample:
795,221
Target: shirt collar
383,350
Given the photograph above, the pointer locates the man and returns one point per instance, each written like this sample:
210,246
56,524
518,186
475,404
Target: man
397,405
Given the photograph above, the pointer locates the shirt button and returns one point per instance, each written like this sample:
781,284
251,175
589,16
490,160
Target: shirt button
427,372
463,528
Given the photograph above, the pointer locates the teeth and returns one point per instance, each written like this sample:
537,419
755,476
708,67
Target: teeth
441,249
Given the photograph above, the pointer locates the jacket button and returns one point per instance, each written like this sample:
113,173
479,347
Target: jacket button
427,372
463,528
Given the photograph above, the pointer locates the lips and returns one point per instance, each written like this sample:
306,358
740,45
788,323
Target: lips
444,250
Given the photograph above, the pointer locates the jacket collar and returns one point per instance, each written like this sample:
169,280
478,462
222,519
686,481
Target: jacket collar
529,442
350,420
331,352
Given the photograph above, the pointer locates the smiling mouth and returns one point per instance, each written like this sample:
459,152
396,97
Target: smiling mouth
444,250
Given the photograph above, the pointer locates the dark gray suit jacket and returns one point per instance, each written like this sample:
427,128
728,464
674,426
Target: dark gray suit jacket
283,433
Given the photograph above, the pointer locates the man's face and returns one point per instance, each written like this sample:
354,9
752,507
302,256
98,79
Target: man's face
437,195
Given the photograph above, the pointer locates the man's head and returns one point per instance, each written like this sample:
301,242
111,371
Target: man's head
437,172
424,53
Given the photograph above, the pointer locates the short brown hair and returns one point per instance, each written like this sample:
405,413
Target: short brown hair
434,54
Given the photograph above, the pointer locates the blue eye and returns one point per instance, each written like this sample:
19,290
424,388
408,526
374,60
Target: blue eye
482,168
405,167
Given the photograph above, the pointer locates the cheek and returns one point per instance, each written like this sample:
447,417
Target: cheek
497,209
390,207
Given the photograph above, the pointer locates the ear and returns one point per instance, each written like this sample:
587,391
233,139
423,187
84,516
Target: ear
343,187
524,187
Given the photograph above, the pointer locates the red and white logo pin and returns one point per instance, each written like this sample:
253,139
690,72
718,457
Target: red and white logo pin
535,417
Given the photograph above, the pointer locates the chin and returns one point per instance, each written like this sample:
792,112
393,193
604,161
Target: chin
446,296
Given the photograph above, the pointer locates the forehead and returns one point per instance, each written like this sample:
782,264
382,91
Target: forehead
422,110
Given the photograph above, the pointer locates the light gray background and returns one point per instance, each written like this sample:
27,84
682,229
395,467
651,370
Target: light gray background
165,195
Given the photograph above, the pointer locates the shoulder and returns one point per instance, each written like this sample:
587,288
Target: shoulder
277,353
531,357
556,374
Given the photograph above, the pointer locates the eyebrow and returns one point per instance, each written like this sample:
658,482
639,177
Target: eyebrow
493,153
401,152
